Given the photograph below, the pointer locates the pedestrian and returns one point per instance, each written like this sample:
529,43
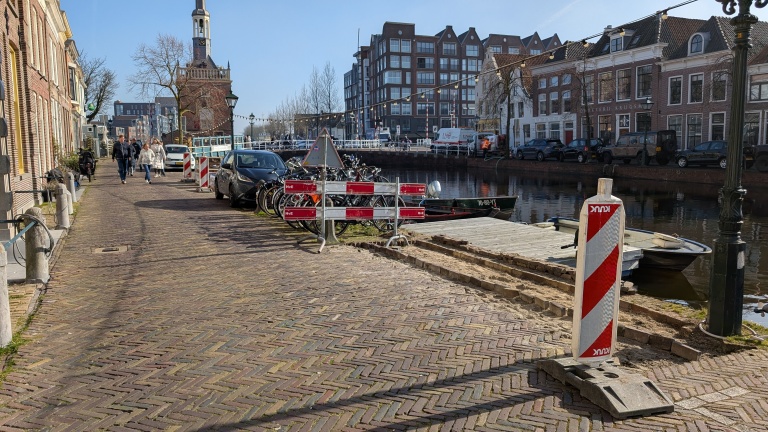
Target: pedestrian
122,152
159,164
136,150
146,161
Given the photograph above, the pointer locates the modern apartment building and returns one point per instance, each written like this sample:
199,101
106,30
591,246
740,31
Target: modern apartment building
418,83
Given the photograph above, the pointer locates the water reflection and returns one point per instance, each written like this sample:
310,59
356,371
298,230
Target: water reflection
687,210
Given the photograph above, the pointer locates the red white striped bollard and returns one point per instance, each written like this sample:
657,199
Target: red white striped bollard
202,175
598,276
187,167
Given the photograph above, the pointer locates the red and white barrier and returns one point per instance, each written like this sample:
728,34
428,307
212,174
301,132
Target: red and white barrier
354,188
203,184
352,213
187,174
598,276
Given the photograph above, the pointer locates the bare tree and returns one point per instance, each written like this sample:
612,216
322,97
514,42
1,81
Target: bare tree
100,83
329,88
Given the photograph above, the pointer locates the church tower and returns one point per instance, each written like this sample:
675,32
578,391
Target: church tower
201,33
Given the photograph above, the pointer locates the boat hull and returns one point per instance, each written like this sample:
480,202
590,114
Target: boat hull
438,209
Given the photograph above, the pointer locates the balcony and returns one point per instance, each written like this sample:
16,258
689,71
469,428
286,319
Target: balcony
205,74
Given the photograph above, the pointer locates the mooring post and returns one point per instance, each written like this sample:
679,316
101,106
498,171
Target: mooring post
71,187
330,227
6,333
36,245
62,207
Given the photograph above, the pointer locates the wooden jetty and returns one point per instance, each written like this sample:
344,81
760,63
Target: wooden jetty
509,237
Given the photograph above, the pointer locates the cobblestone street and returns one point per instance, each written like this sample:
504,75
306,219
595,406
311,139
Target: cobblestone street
211,318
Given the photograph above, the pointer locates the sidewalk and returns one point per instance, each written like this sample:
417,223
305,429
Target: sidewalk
168,310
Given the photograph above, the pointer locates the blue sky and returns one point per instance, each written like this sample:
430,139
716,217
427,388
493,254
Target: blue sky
273,46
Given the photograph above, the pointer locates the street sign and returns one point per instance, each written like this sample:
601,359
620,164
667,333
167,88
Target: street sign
323,153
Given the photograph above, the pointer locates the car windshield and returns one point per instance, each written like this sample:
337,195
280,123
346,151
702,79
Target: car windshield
177,149
264,161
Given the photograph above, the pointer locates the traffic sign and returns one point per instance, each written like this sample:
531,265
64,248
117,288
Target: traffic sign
323,153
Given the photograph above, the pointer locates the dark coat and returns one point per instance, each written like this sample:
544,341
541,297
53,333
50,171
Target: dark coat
136,149
122,151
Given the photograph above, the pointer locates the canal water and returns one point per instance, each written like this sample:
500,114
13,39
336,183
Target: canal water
687,210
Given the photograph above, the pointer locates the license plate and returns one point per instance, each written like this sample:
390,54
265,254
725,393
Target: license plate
179,163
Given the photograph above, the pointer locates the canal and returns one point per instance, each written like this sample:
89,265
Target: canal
686,209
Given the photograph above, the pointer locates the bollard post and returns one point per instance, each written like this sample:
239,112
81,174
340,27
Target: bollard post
62,207
36,244
330,226
71,187
6,332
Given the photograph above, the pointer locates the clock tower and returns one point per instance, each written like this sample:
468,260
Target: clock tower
201,32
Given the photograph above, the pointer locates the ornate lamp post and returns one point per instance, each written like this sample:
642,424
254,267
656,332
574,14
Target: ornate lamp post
726,284
231,102
250,120
646,106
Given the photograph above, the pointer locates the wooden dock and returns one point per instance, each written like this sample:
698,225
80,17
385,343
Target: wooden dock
496,235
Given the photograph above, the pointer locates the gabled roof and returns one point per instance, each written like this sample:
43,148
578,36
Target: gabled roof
760,57
673,32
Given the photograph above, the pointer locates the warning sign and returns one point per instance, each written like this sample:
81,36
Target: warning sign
323,153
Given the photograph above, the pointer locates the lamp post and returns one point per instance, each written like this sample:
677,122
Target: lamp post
250,120
646,106
726,283
231,102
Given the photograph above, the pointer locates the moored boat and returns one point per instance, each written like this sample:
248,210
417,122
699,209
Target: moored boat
660,251
438,209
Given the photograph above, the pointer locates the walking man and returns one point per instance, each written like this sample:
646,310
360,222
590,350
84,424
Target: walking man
136,150
123,153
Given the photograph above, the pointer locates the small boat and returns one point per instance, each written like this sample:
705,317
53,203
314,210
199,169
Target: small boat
439,209
660,251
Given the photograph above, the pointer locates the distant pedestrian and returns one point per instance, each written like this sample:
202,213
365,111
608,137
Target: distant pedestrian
136,150
159,164
122,152
146,161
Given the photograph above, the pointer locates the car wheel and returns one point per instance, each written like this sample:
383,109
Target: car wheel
682,162
723,163
607,158
218,195
233,201
540,156
519,155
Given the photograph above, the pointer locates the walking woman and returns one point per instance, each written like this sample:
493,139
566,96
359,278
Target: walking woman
146,160
159,164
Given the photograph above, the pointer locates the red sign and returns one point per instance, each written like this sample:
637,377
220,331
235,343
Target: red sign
300,213
360,188
300,186
413,189
411,213
359,213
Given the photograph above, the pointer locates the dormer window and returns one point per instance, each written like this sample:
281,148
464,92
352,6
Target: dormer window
697,44
617,44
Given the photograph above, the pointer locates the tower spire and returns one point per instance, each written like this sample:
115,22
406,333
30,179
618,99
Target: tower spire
201,32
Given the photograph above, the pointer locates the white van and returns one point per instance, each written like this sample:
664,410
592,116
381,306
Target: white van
453,140
493,139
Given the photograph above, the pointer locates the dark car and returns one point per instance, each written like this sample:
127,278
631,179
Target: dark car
581,150
711,153
540,149
241,170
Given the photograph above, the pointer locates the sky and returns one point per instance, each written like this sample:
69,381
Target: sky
272,46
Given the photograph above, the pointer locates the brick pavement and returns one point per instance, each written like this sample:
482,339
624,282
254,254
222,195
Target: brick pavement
214,319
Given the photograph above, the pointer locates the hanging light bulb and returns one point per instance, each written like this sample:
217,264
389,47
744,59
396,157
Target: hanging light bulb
439,90
408,99
456,86
584,43
522,65
552,55
477,78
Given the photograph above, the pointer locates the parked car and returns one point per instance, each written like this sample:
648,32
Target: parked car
174,157
581,150
711,153
540,149
241,170
658,145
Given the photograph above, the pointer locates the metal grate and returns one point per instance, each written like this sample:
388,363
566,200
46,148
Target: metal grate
111,249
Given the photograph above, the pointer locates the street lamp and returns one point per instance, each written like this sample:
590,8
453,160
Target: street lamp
726,284
231,102
646,106
250,120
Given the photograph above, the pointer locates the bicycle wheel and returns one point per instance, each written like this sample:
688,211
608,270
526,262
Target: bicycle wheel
386,225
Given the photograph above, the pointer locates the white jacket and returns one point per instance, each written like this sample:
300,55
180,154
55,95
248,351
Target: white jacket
146,157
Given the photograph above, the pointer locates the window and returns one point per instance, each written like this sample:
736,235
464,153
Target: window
405,62
393,77
527,131
697,44
520,109
405,109
443,63
15,93
425,47
394,45
542,104
567,101
675,123
717,126
425,62
513,50
425,77
394,93
605,87
472,51
643,121
676,91
449,48
444,78
554,130
554,103
751,128
496,49
694,130
454,64
553,81
719,84
541,130
394,61
394,109
405,45
758,87
422,107
695,88
542,83
617,44
605,126
589,88
644,81
566,79
445,108
623,82
535,51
